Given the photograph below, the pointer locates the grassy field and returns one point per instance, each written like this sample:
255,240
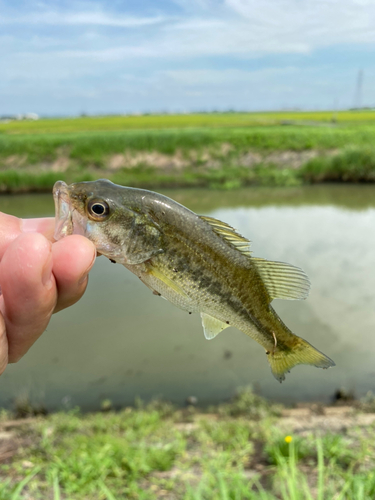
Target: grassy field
244,450
205,120
223,151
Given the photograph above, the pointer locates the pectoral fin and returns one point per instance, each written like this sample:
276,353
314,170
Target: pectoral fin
212,326
168,282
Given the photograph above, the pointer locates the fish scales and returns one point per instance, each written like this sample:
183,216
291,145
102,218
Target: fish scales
198,263
219,288
223,280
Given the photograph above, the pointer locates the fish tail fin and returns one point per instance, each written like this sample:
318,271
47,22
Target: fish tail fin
302,353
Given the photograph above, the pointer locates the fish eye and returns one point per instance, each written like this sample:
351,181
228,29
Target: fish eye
98,209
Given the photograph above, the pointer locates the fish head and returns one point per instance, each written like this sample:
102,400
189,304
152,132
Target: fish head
107,214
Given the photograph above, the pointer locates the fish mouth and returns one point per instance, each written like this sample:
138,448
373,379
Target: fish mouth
63,210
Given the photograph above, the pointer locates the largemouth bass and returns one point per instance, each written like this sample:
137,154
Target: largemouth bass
198,263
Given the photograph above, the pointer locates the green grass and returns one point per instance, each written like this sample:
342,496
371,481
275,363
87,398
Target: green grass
157,452
183,121
350,165
15,181
208,150
93,146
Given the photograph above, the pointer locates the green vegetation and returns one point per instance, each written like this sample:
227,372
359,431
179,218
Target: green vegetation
247,449
103,123
353,165
219,150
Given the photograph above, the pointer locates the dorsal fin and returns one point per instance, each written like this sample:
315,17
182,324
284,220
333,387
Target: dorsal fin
283,281
229,234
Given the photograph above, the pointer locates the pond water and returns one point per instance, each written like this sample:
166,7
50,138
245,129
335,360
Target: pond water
121,342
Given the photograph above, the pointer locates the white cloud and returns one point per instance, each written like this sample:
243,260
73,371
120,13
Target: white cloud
317,22
87,47
213,78
253,27
244,28
81,19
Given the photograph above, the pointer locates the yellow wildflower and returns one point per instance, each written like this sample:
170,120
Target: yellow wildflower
288,439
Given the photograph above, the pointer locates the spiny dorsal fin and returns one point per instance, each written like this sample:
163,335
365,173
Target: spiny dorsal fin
212,326
283,281
230,235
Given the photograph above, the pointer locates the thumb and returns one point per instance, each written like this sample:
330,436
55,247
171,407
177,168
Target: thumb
3,346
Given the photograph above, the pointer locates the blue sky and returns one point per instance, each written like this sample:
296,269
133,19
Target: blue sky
65,57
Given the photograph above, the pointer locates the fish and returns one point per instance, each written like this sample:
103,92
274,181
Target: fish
198,263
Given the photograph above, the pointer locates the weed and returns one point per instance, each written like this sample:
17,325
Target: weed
146,453
248,404
367,403
350,165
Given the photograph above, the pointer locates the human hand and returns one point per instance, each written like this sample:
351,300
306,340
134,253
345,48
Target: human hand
38,277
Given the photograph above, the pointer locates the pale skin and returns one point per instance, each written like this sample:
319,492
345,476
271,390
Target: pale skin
38,277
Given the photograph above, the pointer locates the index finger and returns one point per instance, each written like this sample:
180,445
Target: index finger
11,227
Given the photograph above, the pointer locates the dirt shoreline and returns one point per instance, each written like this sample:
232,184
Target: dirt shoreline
206,158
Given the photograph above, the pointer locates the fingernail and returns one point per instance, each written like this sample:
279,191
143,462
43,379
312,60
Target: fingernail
84,278
85,275
47,272
44,226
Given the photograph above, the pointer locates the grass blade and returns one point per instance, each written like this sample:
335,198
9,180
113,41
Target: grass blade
56,487
107,492
319,449
23,483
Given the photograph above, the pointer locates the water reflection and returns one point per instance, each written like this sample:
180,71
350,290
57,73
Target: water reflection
121,341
